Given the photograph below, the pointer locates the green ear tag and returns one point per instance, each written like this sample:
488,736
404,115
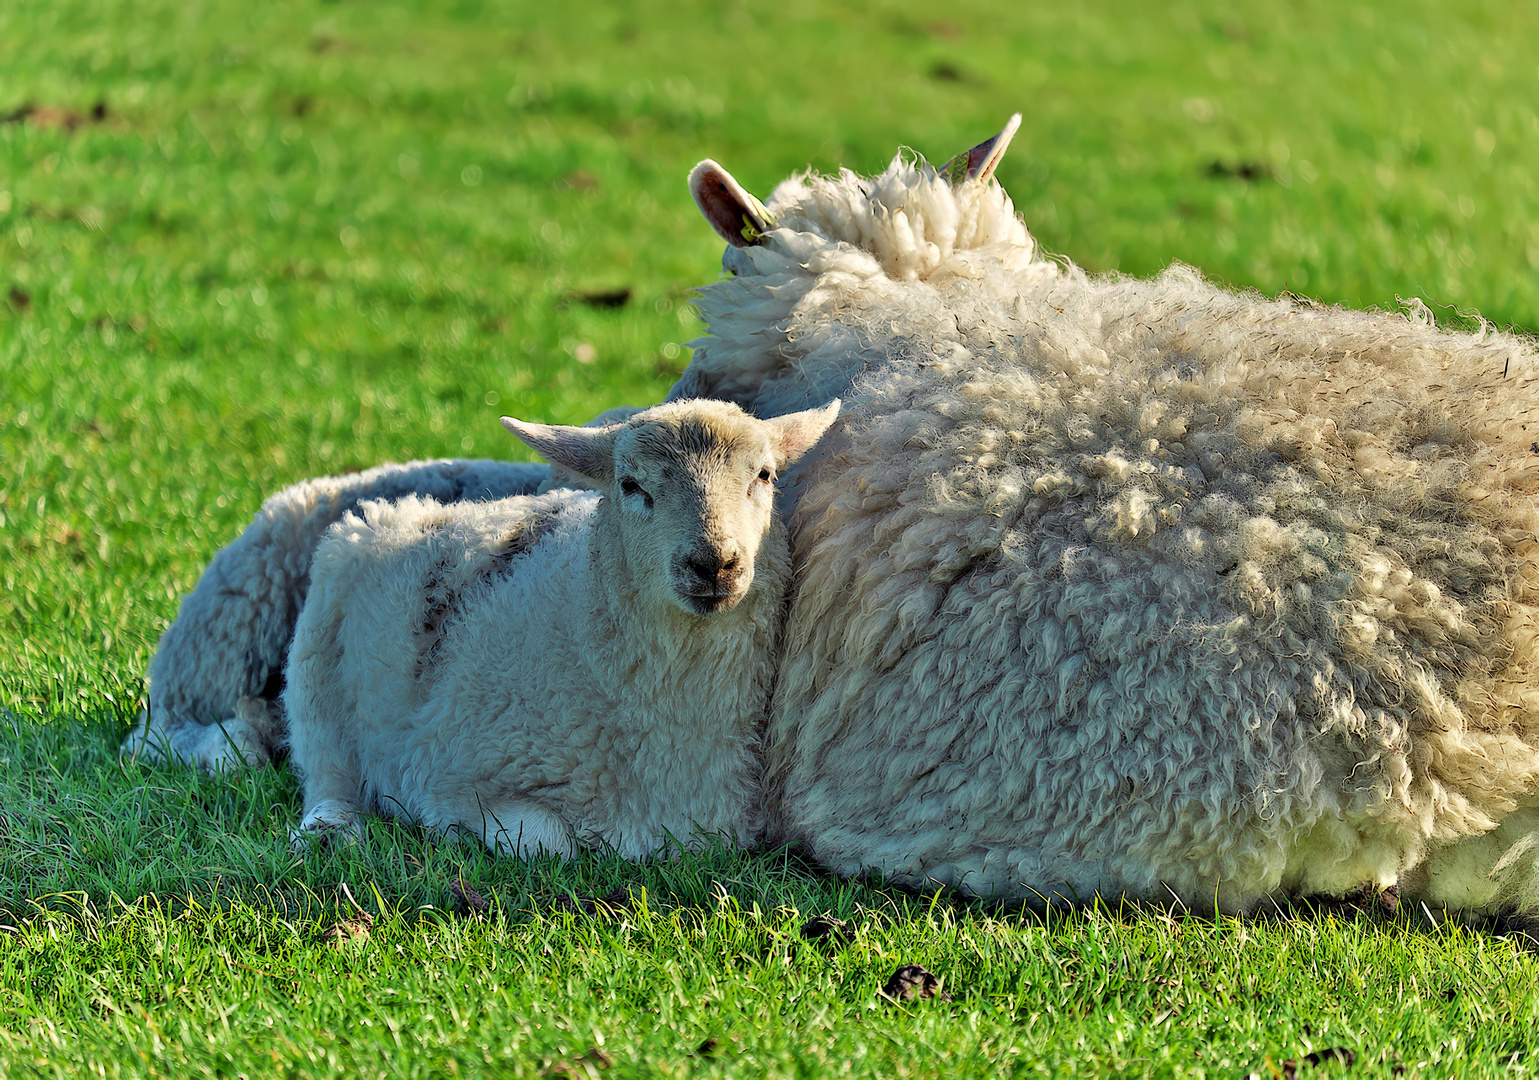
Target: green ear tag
955,170
749,231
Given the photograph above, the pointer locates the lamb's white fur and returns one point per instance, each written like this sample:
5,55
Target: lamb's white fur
1133,587
557,669
215,677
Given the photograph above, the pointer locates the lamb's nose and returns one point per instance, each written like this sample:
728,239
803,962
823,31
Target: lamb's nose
711,565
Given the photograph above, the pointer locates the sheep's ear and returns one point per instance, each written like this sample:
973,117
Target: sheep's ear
980,162
796,433
739,218
587,451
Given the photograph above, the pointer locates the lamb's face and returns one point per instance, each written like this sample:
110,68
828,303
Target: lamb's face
696,494
693,484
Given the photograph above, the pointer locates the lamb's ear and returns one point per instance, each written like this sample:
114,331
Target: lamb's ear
589,452
796,433
739,218
980,162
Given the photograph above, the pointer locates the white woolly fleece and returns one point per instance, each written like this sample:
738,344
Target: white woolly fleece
1134,587
493,668
216,674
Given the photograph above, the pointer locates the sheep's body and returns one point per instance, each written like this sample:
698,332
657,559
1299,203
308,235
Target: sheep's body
216,674
1134,587
538,670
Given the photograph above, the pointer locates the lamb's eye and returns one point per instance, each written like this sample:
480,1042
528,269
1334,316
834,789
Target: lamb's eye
628,486
764,475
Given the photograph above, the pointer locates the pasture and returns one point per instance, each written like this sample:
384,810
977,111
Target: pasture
245,244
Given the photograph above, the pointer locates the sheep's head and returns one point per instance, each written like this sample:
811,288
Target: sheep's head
914,220
693,486
827,258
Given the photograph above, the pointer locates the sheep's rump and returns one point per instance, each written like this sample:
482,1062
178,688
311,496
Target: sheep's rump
216,675
1127,586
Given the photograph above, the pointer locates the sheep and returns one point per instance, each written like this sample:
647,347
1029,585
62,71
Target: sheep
1134,588
1137,588
217,671
574,668
216,675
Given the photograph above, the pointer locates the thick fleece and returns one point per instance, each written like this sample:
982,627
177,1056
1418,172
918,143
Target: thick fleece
217,672
563,669
1128,587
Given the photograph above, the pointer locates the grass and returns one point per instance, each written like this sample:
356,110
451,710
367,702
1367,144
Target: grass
302,237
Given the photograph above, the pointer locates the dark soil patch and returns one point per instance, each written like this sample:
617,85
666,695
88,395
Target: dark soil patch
913,983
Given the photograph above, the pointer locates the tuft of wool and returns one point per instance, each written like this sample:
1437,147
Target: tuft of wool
1134,587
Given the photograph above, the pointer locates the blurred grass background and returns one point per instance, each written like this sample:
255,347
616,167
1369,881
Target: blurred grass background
242,244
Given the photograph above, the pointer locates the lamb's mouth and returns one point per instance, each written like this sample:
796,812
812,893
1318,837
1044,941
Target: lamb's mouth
709,603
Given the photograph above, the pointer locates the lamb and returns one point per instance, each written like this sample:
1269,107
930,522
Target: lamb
578,667
1131,588
217,673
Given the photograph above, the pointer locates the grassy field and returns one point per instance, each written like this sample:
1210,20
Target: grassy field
241,244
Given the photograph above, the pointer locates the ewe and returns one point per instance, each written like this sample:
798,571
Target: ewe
1133,587
575,667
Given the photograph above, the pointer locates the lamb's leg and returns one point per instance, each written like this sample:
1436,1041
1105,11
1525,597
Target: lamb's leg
243,740
323,724
510,827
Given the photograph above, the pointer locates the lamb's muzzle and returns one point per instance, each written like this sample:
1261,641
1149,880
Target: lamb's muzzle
711,578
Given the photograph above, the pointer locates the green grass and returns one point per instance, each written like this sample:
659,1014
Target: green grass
306,237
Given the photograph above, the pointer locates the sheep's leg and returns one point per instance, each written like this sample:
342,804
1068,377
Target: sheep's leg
1498,871
515,827
245,739
327,822
323,721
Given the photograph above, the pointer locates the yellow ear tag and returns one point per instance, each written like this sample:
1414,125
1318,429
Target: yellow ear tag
750,230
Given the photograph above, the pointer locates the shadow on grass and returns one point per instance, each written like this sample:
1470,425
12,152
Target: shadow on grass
86,834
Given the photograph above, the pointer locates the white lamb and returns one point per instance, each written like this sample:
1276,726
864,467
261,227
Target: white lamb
217,672
562,669
1130,587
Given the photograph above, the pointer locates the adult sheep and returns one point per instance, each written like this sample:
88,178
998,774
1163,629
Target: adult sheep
1128,587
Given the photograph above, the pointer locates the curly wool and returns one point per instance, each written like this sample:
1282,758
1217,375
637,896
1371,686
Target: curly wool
1135,587
217,672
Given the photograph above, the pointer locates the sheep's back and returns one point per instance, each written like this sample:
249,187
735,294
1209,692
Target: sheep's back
1121,582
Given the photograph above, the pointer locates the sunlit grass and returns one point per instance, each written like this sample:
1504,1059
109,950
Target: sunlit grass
303,237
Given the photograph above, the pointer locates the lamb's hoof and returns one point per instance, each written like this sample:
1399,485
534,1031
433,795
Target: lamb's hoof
327,824
147,742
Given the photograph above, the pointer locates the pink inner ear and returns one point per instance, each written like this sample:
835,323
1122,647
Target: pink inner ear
729,209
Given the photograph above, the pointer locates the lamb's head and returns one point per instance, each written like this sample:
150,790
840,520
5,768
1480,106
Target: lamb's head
691,485
827,258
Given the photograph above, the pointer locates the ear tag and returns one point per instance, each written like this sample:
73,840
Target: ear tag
751,230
